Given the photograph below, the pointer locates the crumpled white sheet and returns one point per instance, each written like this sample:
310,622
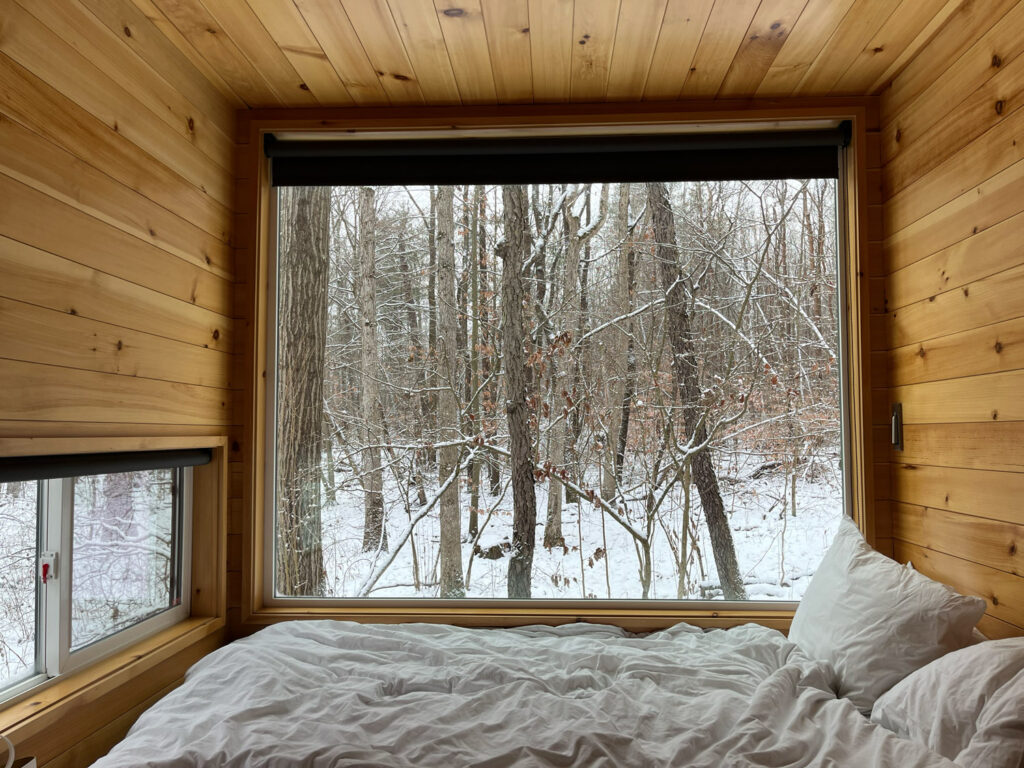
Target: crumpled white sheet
328,693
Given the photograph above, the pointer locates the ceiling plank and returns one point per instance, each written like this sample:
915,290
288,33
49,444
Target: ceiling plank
680,34
593,31
635,39
810,33
259,48
508,36
213,44
286,25
767,34
722,37
339,42
462,25
551,49
421,35
373,24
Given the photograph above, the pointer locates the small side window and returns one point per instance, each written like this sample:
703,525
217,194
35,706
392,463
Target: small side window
94,555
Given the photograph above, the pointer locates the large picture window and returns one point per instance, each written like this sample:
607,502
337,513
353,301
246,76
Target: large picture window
624,385
89,561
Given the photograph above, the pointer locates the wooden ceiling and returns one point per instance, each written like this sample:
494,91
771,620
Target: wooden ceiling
296,53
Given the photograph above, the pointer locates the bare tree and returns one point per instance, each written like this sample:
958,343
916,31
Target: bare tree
375,534
302,323
513,252
686,376
448,407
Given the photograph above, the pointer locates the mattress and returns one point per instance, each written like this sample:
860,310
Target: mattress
329,693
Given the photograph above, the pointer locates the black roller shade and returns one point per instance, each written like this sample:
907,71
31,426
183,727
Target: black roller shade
20,468
584,159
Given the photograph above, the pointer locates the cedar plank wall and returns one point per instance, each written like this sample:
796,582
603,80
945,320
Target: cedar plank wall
953,188
116,266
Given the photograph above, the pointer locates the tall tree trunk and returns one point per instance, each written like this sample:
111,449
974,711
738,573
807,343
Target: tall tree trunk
629,390
375,535
685,374
419,378
432,317
513,252
448,407
476,423
302,318
616,348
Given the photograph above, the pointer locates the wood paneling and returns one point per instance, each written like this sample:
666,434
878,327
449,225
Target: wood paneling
953,187
266,53
116,299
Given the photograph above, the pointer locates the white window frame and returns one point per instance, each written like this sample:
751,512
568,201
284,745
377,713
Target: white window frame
54,657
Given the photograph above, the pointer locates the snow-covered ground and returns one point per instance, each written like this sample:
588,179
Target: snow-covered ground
777,553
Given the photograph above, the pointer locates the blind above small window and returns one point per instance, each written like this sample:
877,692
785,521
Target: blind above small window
724,156
19,468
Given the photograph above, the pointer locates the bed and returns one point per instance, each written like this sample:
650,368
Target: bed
332,693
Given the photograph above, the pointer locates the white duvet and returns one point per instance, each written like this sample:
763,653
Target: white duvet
327,693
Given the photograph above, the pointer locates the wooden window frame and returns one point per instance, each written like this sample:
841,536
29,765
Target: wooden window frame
256,212
55,715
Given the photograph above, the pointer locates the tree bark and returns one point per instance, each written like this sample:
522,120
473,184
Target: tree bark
302,319
687,384
448,409
513,252
375,534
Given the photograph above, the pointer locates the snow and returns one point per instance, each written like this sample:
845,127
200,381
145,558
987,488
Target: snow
777,553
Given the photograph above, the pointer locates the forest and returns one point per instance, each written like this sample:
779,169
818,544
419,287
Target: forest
623,390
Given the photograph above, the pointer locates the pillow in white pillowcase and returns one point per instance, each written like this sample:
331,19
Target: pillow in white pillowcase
875,620
945,705
999,740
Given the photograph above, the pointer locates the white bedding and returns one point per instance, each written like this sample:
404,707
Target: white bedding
326,693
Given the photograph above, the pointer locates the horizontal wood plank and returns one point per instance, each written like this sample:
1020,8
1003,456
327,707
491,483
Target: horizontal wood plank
993,396
992,445
989,203
991,300
41,108
33,334
992,543
1004,592
48,224
37,277
32,45
979,256
47,168
988,349
52,393
991,152
963,30
982,493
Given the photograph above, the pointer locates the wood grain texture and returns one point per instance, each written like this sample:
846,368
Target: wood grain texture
410,52
953,200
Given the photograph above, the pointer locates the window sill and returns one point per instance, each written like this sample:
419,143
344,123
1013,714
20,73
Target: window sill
45,706
500,614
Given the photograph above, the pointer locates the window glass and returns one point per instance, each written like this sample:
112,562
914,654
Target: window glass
626,391
19,502
123,551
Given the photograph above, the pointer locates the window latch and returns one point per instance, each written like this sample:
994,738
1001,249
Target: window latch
47,566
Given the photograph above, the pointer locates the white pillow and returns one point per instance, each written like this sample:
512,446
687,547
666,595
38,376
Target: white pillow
875,620
999,741
942,705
